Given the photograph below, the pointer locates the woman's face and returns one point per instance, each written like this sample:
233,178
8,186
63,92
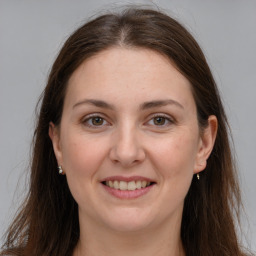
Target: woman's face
129,140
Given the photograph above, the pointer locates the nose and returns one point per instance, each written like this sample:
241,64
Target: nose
127,149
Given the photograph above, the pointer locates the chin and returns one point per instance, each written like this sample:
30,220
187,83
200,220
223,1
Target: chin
129,220
128,226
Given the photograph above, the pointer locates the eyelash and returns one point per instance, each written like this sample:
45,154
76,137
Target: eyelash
90,118
166,118
96,115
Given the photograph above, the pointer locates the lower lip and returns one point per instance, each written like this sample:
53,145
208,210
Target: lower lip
128,194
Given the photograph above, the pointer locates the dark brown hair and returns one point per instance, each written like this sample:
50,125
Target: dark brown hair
48,224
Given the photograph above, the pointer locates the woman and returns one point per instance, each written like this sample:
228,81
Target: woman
131,150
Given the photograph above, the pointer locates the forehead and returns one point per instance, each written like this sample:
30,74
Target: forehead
140,74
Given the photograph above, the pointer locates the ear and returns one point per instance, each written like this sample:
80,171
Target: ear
54,134
206,143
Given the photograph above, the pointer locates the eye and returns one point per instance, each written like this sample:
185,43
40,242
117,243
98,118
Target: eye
95,121
160,120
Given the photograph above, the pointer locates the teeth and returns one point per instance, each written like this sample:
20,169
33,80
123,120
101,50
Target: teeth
138,184
116,184
131,185
143,184
110,183
123,185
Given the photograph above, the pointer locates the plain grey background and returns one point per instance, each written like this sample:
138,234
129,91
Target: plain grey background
32,32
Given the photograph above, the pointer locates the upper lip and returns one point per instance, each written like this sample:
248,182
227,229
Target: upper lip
127,179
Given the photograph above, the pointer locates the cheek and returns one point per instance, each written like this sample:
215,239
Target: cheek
173,160
77,158
175,157
178,167
82,158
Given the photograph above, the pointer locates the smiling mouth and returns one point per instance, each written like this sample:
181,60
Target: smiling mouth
130,186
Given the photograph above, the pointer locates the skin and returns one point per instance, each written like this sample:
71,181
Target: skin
130,141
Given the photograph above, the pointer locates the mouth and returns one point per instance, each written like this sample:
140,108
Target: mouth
127,185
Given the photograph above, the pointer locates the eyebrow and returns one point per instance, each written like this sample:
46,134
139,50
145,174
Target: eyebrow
144,106
97,103
160,103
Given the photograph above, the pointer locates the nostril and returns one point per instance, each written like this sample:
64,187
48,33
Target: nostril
127,153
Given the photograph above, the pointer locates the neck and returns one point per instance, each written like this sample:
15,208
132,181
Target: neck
162,241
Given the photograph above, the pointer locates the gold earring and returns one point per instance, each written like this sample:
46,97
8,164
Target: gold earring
198,176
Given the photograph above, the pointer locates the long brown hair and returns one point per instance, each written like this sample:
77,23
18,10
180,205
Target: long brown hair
48,224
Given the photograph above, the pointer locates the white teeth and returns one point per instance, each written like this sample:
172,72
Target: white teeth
110,183
131,185
116,184
123,185
143,184
138,184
